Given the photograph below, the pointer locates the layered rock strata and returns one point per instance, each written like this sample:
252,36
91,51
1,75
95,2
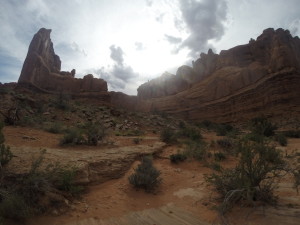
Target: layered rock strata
261,77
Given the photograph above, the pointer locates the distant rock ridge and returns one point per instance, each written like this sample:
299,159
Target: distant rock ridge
271,52
261,77
42,70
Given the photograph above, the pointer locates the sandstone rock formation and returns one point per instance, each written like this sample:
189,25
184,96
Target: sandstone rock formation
41,69
260,77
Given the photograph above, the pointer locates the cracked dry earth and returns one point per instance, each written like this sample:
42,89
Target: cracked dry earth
183,197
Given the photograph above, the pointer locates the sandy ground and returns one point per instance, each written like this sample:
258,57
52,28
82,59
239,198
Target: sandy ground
182,184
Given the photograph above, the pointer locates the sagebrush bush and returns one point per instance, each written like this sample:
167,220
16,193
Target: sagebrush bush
196,150
223,129
55,128
13,206
145,176
5,153
225,143
281,139
168,135
219,156
191,133
72,136
253,179
95,132
178,157
262,126
292,133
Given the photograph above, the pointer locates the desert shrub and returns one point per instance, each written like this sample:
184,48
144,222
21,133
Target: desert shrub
137,140
5,153
281,139
62,101
296,174
95,133
145,176
223,129
182,124
178,157
191,133
225,143
219,156
216,166
55,128
13,206
206,124
72,137
292,133
130,133
253,179
196,150
65,181
168,135
262,126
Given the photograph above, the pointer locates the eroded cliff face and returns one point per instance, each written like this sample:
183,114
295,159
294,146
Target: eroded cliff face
42,70
261,77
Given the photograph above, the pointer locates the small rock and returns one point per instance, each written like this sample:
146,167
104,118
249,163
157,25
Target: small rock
55,212
28,138
178,170
46,113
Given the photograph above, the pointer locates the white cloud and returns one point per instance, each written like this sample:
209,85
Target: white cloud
148,31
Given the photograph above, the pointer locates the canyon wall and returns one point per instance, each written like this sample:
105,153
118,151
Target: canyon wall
261,77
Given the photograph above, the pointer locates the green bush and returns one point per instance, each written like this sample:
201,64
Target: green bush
5,153
281,139
145,176
223,129
62,101
196,150
191,133
225,143
219,156
55,128
65,181
262,126
253,179
292,133
168,135
13,206
95,133
137,140
178,157
216,166
206,124
72,137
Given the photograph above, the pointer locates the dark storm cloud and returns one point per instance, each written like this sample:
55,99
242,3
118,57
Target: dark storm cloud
119,74
116,54
172,39
112,81
204,21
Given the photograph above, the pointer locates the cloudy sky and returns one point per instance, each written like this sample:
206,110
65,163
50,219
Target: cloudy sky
130,42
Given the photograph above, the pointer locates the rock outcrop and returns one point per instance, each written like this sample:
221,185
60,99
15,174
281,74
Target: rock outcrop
42,70
262,76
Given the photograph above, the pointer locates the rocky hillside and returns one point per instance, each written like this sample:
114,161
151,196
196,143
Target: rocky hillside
261,77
